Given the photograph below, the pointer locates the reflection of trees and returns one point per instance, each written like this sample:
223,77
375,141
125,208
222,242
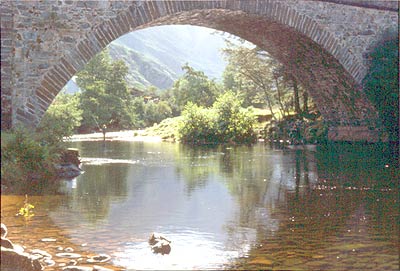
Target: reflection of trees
259,188
321,218
359,165
107,183
100,185
196,165
383,208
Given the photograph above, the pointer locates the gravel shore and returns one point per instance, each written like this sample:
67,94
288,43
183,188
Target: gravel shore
130,135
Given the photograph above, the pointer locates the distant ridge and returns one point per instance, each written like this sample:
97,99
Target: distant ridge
155,55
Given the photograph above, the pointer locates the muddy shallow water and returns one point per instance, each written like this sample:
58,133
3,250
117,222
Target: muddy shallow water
222,208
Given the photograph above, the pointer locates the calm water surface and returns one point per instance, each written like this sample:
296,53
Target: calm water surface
222,208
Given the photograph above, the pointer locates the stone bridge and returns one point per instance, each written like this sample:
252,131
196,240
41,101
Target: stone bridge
323,43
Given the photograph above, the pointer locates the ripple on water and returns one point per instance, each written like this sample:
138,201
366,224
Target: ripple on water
103,161
189,250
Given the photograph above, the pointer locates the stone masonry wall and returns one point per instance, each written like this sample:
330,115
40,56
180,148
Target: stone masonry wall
7,26
324,43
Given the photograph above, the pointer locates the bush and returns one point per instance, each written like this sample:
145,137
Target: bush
26,163
225,122
234,123
197,125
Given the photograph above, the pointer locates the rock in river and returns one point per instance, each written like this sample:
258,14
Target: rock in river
159,244
101,258
15,261
13,258
6,243
68,255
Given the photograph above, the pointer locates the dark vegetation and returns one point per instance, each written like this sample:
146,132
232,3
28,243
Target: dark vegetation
382,83
27,162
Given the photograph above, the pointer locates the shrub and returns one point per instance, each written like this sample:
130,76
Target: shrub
225,122
381,83
234,123
26,162
197,125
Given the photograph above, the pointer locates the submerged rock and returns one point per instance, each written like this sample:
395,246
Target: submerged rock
48,240
6,243
15,261
68,255
69,249
41,253
155,237
159,244
49,262
101,258
161,247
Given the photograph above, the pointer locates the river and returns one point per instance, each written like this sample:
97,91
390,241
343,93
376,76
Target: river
241,207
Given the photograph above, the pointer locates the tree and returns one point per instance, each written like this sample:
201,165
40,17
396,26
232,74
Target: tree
105,98
61,119
250,74
194,86
155,112
262,81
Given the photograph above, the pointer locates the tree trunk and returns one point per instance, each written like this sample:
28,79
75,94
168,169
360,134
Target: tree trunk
296,97
305,102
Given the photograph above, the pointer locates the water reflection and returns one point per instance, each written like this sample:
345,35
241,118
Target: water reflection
240,207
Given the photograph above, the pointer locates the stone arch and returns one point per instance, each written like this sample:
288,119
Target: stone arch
316,58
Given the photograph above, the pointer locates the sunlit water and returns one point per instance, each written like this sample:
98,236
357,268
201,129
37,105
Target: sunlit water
226,207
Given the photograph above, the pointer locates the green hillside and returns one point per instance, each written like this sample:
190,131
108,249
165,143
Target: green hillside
155,55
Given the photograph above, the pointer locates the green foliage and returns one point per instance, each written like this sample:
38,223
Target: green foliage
155,112
382,84
61,119
105,98
150,112
25,160
225,122
198,125
234,123
262,81
167,129
195,87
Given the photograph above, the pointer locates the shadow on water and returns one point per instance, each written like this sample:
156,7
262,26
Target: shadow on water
344,216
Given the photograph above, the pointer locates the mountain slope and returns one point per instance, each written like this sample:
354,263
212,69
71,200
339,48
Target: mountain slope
143,70
156,55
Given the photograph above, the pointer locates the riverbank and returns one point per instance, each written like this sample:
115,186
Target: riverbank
128,135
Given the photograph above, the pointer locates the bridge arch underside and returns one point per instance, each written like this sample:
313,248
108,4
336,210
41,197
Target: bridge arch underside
334,91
